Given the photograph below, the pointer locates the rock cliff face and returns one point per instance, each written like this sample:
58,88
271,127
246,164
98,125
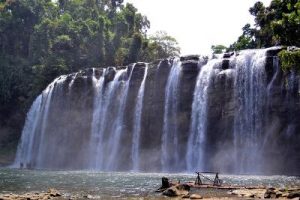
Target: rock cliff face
87,120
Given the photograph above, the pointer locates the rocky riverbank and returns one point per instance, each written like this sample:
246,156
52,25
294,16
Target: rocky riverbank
269,193
191,191
179,191
50,194
243,193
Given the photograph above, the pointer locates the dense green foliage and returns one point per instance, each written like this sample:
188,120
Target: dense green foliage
42,39
277,24
290,60
217,49
165,44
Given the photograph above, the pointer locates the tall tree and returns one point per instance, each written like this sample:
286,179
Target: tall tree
216,49
277,24
166,44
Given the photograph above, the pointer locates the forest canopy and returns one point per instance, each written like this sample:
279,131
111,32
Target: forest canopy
276,24
42,39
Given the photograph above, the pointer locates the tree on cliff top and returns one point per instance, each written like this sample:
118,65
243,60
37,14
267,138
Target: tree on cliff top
42,39
277,24
167,45
217,49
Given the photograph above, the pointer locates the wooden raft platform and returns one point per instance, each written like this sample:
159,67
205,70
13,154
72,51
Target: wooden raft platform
224,186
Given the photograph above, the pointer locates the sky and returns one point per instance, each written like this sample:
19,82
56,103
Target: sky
198,24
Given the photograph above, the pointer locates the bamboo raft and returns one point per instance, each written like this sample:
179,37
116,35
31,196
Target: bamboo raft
215,184
225,187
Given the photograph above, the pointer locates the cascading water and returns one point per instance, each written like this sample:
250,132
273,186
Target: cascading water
197,139
250,92
227,116
170,154
137,123
25,149
72,81
36,121
42,146
113,144
100,122
98,85
276,68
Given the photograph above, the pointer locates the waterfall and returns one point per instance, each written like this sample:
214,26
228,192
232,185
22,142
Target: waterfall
44,120
169,146
98,85
198,127
250,91
292,84
35,127
230,115
137,123
73,79
102,125
113,144
25,148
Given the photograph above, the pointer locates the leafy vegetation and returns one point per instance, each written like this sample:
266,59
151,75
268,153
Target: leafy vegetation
164,44
42,39
290,60
277,24
217,49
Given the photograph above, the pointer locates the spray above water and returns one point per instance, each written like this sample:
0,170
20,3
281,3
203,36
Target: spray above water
251,95
113,143
25,148
103,118
170,155
135,152
195,157
96,136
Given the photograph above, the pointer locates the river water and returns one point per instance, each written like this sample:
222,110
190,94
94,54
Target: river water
104,185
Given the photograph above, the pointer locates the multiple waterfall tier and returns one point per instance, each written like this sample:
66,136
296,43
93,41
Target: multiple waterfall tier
231,114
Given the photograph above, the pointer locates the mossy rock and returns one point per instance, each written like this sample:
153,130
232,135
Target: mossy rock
290,60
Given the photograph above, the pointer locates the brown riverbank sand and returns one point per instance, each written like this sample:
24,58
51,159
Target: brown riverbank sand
50,194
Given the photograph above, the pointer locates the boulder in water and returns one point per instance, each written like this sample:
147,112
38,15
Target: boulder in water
165,184
177,190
